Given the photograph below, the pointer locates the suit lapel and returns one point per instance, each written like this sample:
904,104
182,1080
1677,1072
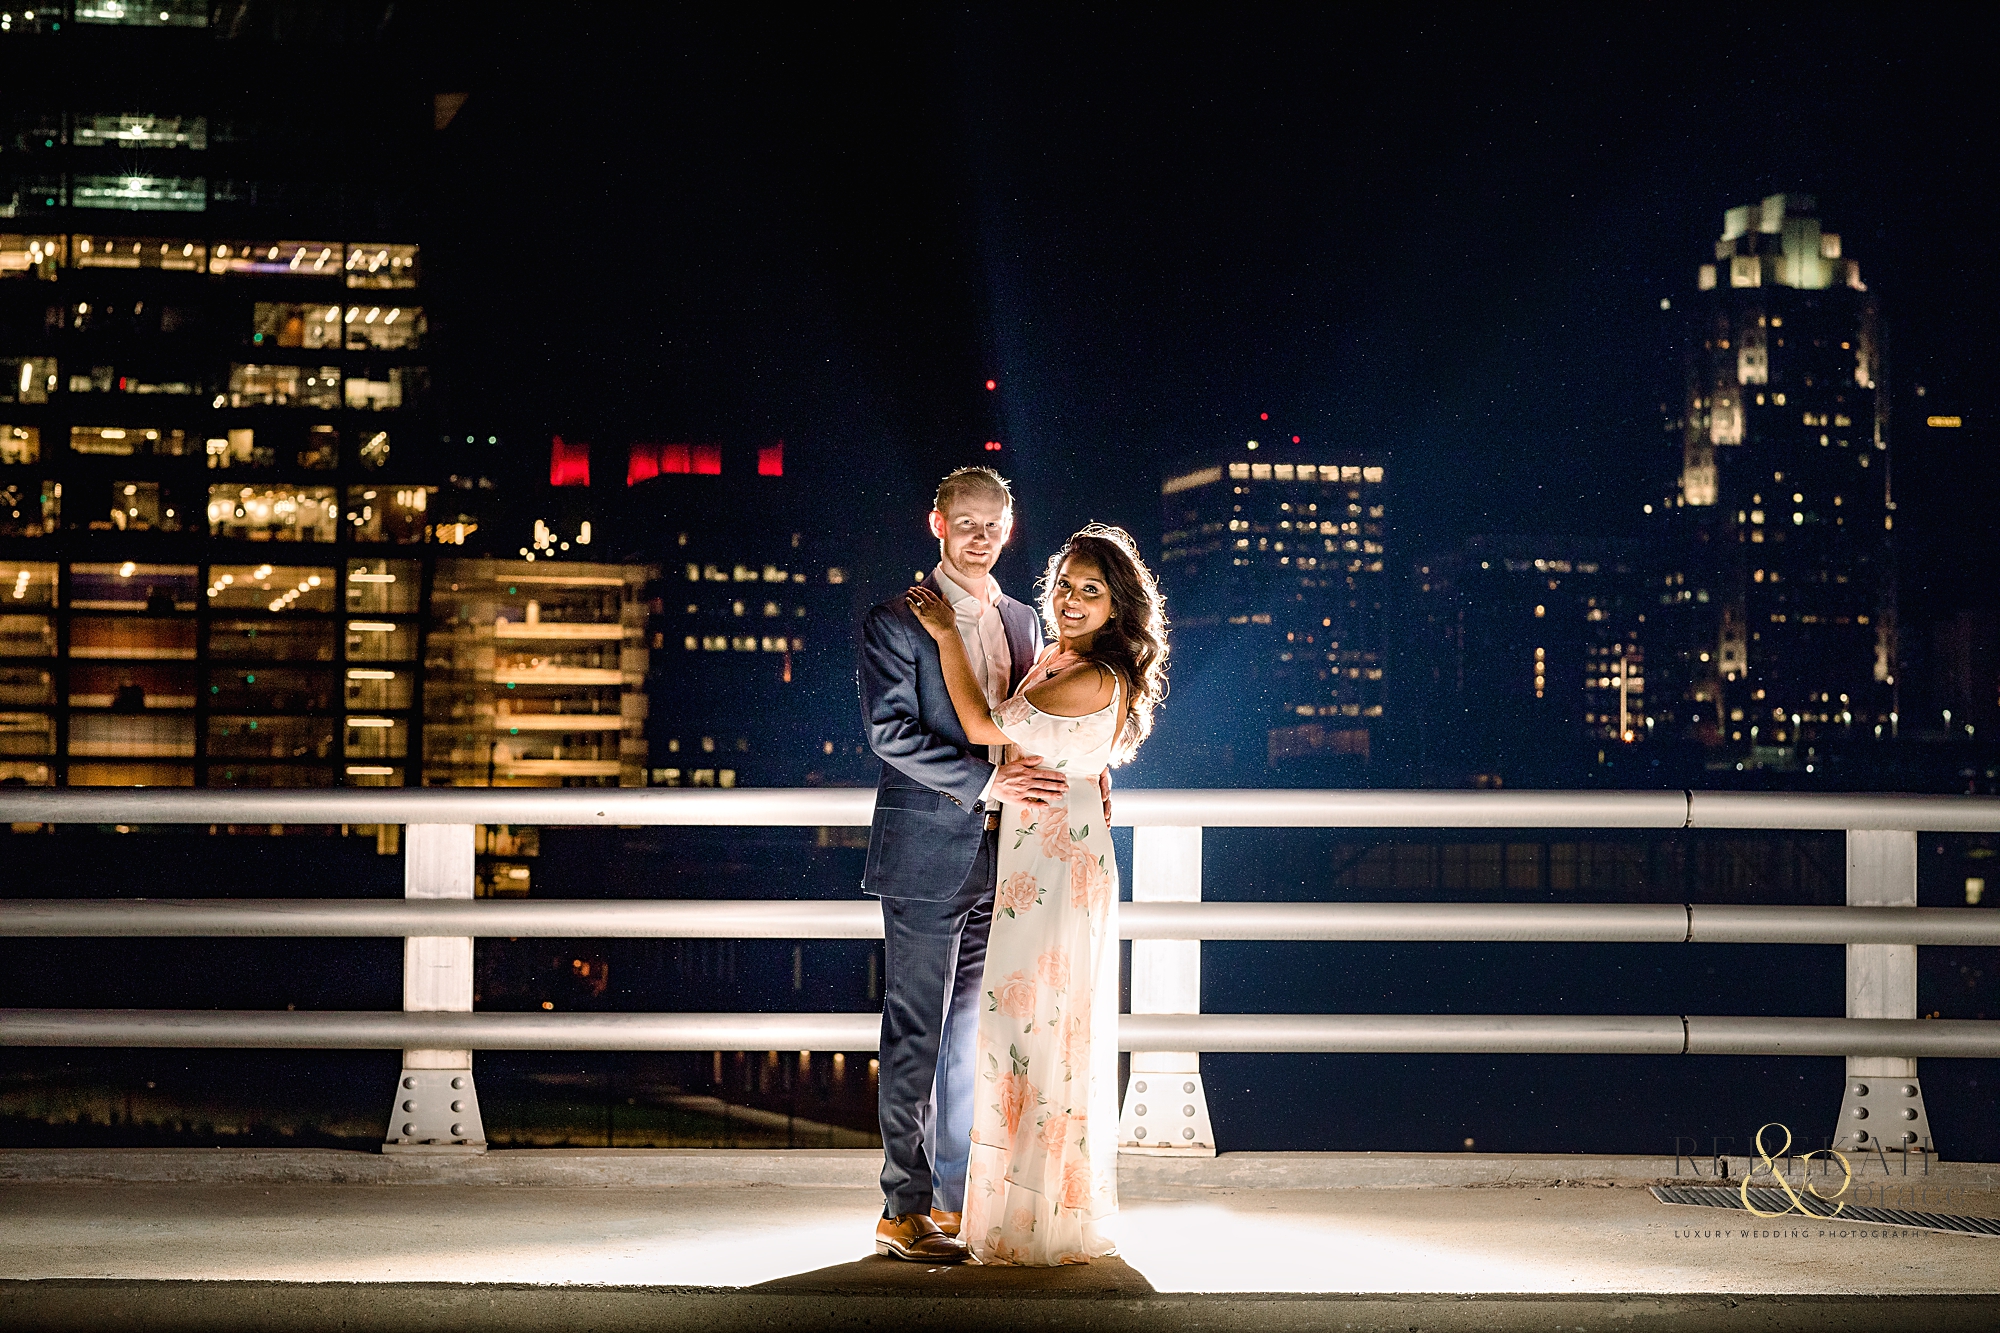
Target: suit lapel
1019,622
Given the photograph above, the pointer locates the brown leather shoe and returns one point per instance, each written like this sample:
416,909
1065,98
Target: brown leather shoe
949,1223
915,1237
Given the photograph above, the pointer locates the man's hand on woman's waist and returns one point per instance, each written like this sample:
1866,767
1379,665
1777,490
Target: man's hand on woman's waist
1026,782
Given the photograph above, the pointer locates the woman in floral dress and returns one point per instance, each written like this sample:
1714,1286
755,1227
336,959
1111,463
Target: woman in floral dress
1044,1146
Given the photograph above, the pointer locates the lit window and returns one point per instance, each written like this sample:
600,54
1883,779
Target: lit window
102,131
130,586
31,256
304,259
274,512
20,444
284,386
382,585
30,509
173,254
235,449
389,513
289,325
143,13
140,194
400,386
376,738
273,588
27,379
141,506
381,266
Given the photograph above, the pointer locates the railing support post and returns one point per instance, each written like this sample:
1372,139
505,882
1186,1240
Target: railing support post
1882,1106
436,1107
1166,1107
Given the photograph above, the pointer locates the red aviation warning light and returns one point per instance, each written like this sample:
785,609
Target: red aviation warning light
993,384
1263,416
993,446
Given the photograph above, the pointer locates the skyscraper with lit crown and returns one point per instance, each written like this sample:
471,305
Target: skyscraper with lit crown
1776,617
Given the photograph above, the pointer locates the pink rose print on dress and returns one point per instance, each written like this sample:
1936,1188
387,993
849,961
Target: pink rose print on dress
1014,712
1016,1093
1075,1186
1055,832
1018,893
1054,1127
1089,883
1015,997
1004,1253
1076,1037
1053,968
1100,891
1022,1223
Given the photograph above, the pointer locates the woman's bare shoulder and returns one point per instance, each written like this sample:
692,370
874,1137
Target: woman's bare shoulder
1075,691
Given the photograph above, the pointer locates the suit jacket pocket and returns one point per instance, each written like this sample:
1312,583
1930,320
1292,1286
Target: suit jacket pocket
920,846
911,798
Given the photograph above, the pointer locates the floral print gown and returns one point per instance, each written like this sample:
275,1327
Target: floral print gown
1044,1128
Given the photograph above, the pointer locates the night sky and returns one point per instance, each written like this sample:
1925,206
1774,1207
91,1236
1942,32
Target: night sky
1444,241
1441,244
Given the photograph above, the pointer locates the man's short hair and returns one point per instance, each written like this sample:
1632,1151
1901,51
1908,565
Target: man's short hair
972,481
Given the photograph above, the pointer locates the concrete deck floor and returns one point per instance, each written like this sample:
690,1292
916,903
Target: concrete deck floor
638,1240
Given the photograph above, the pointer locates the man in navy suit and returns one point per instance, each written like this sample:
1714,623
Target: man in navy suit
932,854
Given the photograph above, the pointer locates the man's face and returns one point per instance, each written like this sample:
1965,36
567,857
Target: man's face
972,535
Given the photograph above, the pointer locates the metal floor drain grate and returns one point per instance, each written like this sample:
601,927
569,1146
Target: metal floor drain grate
1772,1200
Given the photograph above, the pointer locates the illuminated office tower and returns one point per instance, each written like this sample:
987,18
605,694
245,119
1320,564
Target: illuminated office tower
1778,601
1528,660
217,452
1275,582
534,675
754,610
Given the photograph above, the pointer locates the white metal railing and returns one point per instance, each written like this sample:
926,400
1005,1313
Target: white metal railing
437,1109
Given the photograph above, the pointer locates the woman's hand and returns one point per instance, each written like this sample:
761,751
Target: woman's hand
933,612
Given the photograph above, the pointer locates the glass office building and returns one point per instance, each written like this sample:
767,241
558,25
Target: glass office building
1273,564
222,492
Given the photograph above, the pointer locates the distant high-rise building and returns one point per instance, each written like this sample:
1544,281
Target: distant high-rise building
753,607
1275,578
219,463
1777,607
1527,660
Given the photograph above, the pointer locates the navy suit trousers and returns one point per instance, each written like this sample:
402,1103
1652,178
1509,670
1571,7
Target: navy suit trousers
936,959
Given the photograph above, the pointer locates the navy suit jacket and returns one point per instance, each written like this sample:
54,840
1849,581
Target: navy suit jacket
928,815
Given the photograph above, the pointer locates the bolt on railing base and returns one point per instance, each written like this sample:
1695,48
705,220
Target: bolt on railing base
1884,1114
1166,1111
436,1111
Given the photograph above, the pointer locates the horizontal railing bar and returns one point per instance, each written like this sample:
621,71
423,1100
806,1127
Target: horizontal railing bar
486,917
1870,810
1729,923
853,806
273,1030
1640,923
1519,1034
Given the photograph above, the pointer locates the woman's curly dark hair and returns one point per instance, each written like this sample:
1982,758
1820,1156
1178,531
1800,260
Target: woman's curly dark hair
1133,642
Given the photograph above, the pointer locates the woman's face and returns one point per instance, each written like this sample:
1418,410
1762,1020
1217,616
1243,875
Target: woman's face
1082,600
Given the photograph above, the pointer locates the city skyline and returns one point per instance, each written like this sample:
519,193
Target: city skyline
389,395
